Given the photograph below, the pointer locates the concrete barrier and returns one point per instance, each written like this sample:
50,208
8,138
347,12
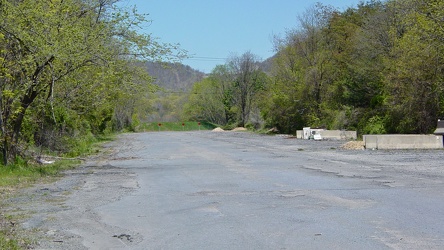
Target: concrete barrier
403,141
338,134
300,134
330,134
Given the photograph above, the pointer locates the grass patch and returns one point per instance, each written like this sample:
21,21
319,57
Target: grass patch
86,145
7,243
21,175
176,126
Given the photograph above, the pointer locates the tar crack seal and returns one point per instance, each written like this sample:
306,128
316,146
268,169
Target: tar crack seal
124,237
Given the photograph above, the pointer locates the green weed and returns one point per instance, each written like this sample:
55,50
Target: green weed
22,174
7,243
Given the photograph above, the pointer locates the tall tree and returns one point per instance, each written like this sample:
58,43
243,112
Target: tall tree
211,99
302,72
249,80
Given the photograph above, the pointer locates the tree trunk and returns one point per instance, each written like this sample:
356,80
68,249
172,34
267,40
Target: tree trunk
5,139
17,123
27,100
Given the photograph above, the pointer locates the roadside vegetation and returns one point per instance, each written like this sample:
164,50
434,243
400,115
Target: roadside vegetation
69,77
376,68
70,72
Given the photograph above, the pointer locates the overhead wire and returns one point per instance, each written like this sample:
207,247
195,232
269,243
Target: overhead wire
206,58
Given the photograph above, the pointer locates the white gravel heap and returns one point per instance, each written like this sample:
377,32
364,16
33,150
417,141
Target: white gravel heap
239,129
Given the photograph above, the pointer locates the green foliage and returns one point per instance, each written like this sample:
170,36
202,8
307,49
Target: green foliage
166,106
7,243
375,125
70,68
208,101
79,146
376,68
231,95
135,122
23,173
415,83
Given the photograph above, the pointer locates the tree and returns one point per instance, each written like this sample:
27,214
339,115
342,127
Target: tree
414,70
376,68
211,99
44,43
357,40
303,73
249,80
230,93
204,104
286,105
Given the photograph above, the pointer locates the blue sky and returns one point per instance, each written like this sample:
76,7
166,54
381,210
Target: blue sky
212,30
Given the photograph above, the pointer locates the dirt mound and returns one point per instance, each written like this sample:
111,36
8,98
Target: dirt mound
353,145
273,130
239,129
218,129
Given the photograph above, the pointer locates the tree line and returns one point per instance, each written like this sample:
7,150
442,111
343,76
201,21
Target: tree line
375,68
73,69
68,71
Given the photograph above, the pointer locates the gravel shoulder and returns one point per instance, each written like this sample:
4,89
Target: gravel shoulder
48,214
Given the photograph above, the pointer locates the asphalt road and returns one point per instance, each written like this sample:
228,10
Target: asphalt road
226,190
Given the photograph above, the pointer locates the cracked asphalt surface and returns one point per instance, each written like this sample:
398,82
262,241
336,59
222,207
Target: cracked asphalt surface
234,190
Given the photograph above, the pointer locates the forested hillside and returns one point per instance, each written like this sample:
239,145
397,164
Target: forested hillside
175,81
376,68
173,76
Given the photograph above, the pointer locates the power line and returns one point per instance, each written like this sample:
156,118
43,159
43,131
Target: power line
206,58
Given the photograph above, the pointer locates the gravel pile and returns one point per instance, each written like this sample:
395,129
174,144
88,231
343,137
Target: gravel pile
238,129
353,145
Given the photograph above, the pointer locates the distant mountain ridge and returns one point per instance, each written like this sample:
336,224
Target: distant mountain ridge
267,64
173,76
180,77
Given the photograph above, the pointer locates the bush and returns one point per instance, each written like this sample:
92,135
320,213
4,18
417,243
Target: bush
375,125
81,145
